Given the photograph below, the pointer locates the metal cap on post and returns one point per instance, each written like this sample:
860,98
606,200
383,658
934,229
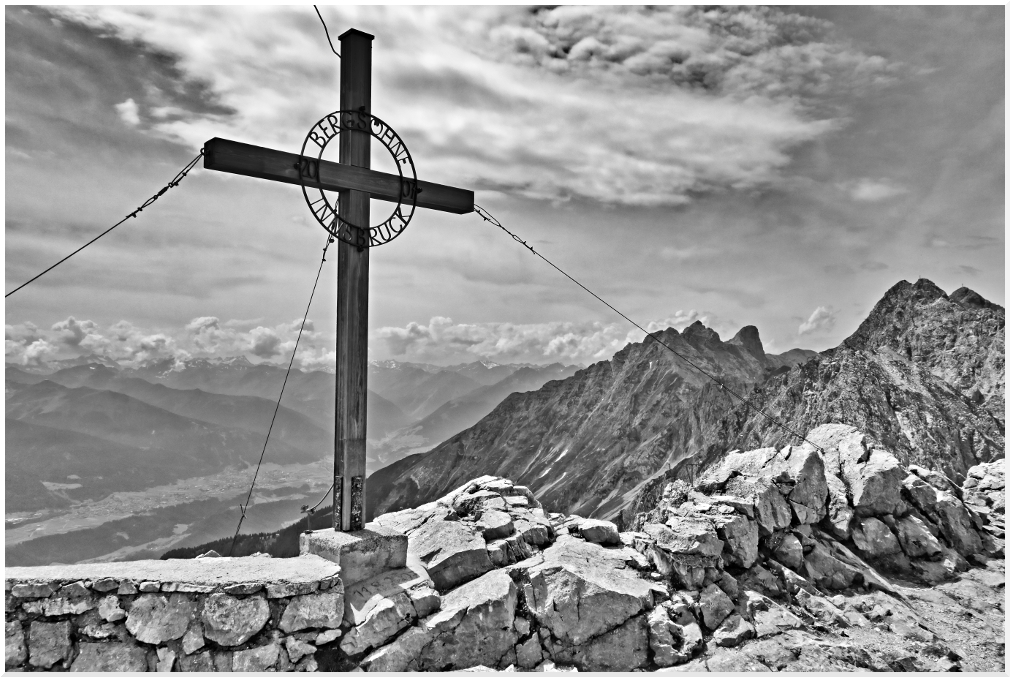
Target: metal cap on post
352,296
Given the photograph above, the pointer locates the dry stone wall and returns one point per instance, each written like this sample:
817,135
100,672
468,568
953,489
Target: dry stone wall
207,615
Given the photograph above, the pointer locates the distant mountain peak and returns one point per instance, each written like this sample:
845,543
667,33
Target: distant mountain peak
750,339
699,332
968,298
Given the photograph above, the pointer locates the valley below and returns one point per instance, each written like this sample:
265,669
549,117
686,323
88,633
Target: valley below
144,524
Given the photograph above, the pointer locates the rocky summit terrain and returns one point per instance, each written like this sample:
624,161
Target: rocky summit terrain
828,557
587,443
923,374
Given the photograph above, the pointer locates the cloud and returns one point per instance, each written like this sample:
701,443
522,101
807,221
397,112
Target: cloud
822,319
869,190
264,342
623,105
442,339
129,112
73,333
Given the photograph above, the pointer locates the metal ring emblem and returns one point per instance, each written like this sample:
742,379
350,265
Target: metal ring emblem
327,211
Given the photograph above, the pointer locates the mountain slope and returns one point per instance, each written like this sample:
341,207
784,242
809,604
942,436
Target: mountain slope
584,443
461,413
416,391
922,374
168,445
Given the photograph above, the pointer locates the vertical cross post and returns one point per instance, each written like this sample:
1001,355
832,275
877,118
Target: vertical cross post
352,296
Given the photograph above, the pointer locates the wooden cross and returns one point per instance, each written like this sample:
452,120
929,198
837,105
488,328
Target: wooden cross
356,183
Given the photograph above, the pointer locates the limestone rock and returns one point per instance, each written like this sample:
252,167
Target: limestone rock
48,643
533,533
956,524
230,621
824,569
683,548
192,640
256,660
319,610
581,590
876,489
327,636
201,662
874,538
803,467
71,599
474,626
398,654
112,657
790,552
774,620
919,493
452,552
32,590
665,639
915,538
624,648
599,531
529,653
733,631
715,606
741,538
839,514
166,659
383,618
771,510
495,524
425,600
297,649
156,619
109,610
15,651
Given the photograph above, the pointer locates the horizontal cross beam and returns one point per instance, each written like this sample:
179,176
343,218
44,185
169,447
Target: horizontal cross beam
275,165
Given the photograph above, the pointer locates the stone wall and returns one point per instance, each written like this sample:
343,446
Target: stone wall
210,614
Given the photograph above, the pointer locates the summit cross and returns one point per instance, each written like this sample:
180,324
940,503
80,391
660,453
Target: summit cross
356,185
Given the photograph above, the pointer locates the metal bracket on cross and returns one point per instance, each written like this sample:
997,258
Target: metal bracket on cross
339,193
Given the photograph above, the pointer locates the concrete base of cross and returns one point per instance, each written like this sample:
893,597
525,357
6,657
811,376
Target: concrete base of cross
361,554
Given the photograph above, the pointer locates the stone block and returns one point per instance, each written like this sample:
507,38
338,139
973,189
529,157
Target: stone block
360,554
15,651
156,619
256,660
231,621
33,589
48,643
321,610
111,657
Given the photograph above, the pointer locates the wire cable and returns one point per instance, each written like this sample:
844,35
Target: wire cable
325,30
312,511
277,407
150,201
484,214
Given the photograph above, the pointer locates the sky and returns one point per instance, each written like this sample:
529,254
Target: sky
776,167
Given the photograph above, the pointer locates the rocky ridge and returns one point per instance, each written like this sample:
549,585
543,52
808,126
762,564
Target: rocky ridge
587,443
797,557
923,375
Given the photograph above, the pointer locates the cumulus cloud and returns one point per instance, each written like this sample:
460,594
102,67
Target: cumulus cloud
822,319
73,333
441,339
129,112
870,190
624,105
264,342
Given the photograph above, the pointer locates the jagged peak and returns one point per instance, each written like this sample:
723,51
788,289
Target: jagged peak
698,331
891,309
969,298
749,339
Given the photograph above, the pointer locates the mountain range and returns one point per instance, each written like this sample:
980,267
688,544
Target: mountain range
924,373
82,432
